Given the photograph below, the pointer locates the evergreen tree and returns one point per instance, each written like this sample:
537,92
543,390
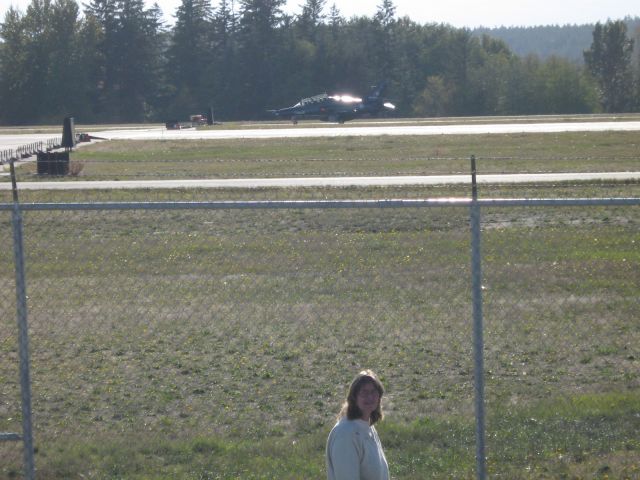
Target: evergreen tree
190,55
411,64
224,22
609,61
65,84
332,61
384,21
224,62
336,20
37,59
307,45
105,14
90,68
138,63
385,15
130,51
311,17
260,53
13,68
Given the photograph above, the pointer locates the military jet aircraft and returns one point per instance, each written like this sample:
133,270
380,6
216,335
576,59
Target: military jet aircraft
337,108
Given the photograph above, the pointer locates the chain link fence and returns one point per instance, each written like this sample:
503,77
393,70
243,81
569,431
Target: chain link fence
562,330
151,325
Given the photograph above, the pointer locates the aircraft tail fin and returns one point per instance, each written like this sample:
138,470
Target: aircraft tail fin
375,102
377,91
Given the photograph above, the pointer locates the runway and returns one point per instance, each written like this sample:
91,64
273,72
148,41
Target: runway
158,133
252,183
161,133
12,141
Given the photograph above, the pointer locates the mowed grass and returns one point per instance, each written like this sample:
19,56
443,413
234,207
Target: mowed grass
219,344
354,156
588,189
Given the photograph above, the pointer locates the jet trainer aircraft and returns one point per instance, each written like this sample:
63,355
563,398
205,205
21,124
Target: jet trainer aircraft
337,108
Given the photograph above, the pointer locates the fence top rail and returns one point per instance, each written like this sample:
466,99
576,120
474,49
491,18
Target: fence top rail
319,204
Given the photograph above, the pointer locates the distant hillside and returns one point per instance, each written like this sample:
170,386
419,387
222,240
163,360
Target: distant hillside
568,41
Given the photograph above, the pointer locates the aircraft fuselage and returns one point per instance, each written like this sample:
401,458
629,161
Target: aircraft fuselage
335,108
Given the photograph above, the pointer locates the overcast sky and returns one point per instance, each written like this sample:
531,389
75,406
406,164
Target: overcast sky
459,13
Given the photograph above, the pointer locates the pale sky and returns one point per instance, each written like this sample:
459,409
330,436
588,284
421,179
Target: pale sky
459,13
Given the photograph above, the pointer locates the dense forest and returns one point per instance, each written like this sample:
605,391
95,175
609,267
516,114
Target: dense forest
566,41
115,61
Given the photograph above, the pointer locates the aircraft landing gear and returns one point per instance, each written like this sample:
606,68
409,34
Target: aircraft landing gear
294,120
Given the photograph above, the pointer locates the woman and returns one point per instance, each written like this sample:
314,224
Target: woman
354,451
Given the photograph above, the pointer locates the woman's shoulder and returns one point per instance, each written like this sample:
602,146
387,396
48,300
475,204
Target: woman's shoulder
345,425
347,433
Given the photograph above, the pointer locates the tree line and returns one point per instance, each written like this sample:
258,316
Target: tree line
566,41
116,61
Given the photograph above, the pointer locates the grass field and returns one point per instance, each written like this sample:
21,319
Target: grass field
354,156
219,344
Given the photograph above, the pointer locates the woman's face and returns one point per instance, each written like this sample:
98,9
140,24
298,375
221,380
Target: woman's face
367,400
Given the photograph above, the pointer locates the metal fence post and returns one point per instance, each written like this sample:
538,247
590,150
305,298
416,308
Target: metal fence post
478,342
23,337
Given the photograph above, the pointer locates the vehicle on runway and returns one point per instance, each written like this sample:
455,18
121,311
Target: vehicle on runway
338,108
196,120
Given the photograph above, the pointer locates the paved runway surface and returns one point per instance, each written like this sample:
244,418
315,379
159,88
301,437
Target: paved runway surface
12,141
322,181
305,132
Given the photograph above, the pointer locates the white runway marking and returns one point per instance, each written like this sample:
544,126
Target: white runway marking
323,181
160,133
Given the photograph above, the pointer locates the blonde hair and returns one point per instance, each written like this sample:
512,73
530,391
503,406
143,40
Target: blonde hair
350,407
